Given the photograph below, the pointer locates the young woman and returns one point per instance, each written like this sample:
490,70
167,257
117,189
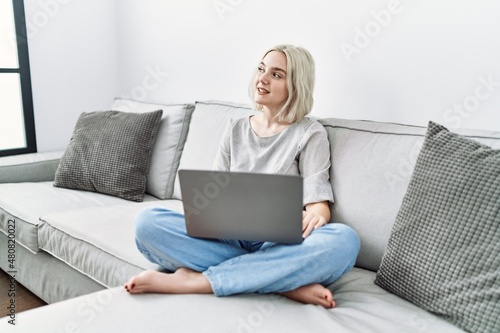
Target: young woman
279,139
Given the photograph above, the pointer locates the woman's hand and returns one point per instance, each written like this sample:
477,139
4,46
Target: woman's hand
315,216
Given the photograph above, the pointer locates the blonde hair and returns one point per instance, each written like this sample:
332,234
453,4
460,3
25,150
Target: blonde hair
299,81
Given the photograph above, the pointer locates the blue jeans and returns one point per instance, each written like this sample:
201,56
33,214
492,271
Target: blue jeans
234,267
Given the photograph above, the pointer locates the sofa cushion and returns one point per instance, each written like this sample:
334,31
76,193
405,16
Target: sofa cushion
208,123
361,307
24,203
372,163
110,152
169,142
443,252
99,242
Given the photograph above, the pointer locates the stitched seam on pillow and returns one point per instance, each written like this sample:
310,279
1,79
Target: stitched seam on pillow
189,108
242,106
406,134
157,104
374,132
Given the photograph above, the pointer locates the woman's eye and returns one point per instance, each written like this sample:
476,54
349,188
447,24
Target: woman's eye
260,69
276,75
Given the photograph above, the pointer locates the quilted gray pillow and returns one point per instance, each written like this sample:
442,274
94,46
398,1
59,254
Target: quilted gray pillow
110,153
169,144
444,250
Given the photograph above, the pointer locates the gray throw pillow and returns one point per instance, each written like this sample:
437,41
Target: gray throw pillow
110,153
169,144
444,250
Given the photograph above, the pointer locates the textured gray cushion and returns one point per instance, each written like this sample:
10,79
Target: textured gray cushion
444,250
110,153
169,143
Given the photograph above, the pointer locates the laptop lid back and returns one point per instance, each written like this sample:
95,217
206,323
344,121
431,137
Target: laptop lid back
242,206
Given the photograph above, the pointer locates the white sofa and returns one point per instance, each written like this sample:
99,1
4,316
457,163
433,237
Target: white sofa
72,243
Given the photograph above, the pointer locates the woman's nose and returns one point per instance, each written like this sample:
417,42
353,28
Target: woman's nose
263,78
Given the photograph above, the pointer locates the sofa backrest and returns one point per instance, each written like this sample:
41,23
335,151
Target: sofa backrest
372,163
208,123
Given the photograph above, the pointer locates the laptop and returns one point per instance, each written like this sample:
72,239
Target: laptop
242,206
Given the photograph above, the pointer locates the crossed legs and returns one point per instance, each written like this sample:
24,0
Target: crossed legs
298,272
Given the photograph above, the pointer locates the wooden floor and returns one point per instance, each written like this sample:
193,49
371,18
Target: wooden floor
23,298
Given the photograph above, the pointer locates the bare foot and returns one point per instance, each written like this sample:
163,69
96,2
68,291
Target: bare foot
183,281
312,294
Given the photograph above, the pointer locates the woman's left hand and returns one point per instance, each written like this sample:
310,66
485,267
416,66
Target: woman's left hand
314,217
311,221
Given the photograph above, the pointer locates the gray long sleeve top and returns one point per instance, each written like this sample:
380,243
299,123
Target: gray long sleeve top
301,149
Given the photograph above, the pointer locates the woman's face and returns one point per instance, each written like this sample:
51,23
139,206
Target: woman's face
270,81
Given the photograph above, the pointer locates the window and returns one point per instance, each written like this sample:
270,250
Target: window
17,127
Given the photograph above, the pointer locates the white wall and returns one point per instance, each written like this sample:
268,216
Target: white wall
73,60
428,61
429,56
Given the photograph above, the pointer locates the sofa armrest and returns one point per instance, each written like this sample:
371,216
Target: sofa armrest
34,167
